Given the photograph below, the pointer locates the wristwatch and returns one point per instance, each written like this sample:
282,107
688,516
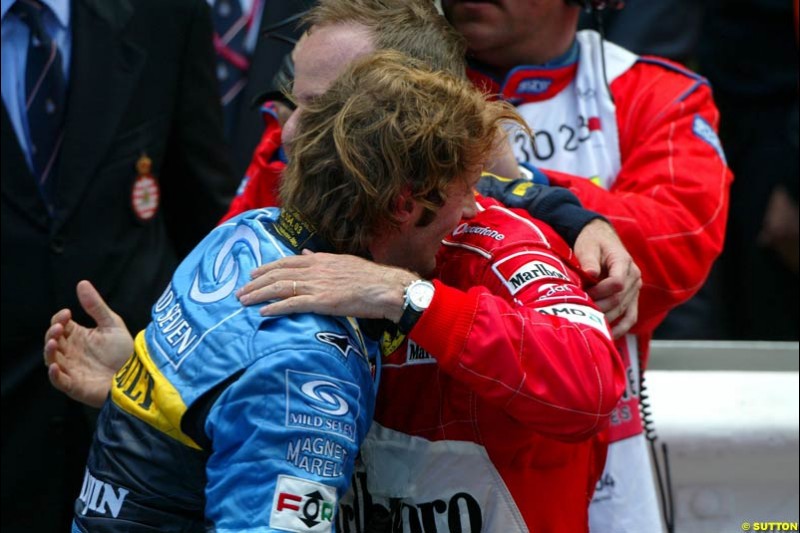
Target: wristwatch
417,298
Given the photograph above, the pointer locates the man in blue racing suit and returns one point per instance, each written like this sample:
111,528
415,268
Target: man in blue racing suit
223,419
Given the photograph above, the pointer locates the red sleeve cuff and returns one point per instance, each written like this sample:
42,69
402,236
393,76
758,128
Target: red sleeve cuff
443,329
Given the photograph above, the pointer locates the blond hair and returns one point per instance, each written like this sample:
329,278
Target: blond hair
413,27
389,126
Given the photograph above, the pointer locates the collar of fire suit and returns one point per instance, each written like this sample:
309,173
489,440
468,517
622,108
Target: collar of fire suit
529,83
296,232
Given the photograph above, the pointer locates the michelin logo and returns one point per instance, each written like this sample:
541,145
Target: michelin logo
100,497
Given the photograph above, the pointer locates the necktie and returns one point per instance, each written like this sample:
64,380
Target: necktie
230,29
45,90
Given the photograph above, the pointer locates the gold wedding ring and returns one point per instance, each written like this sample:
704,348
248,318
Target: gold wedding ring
294,288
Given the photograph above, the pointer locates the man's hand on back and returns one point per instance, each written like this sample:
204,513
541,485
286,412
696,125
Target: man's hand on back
328,284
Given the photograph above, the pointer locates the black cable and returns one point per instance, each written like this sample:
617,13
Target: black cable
663,476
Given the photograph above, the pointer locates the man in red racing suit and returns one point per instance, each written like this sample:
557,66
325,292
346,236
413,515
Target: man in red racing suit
490,414
635,139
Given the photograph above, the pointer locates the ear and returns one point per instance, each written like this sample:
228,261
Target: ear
405,206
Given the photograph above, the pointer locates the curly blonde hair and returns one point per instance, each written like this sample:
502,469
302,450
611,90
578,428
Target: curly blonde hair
388,126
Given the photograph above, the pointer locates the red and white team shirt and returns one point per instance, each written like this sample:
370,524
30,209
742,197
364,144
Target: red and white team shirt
647,157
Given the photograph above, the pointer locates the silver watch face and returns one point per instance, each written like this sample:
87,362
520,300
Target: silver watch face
420,294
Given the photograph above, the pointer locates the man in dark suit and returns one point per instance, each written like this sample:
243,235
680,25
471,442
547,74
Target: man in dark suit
138,175
264,63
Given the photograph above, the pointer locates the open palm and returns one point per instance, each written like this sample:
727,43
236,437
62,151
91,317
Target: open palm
81,361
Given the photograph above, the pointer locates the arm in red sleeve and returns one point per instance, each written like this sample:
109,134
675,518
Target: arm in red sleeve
542,354
669,202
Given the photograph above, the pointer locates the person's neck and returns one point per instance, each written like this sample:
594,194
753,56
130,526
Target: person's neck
542,50
499,73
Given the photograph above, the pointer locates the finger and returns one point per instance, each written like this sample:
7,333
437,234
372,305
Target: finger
631,315
605,289
289,306
626,322
293,261
631,295
590,261
94,305
278,272
273,291
50,352
615,294
62,317
244,293
311,303
54,331
59,379
51,343
54,354
266,268
265,280
611,308
619,268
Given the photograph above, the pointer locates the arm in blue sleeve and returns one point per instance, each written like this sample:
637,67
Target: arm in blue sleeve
285,436
555,206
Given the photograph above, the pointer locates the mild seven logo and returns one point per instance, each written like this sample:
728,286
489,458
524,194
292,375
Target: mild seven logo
225,272
321,403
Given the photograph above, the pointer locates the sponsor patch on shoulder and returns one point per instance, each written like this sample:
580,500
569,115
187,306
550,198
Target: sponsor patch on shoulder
316,402
319,456
520,270
703,129
579,314
338,341
561,292
302,506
